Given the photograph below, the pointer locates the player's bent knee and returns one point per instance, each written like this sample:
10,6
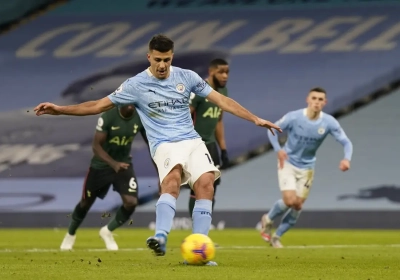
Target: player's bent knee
204,186
172,181
289,198
299,203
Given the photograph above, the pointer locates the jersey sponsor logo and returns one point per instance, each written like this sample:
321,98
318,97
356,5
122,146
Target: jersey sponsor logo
321,130
169,103
180,88
114,127
121,141
212,112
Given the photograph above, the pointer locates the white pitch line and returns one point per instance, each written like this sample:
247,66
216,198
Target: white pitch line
40,250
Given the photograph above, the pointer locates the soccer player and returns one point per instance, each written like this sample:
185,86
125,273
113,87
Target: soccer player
161,96
208,123
111,164
307,129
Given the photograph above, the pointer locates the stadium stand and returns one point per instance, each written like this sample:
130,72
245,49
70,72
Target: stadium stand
276,56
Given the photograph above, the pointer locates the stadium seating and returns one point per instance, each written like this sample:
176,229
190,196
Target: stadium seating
276,57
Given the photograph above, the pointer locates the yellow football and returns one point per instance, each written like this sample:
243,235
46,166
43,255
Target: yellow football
197,249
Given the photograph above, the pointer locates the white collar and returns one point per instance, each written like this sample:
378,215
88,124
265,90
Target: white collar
320,114
150,74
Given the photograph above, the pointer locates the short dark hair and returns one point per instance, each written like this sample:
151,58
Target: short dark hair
217,62
318,89
161,43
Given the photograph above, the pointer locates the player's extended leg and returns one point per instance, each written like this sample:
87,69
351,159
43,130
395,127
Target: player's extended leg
126,185
121,217
203,175
213,150
303,185
287,185
288,221
96,184
77,217
204,190
165,210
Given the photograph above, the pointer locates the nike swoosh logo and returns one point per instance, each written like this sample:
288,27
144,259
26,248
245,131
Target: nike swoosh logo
114,127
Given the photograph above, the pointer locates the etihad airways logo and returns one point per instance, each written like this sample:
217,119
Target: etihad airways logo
169,103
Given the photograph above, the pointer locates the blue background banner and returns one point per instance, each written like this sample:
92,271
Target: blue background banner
275,57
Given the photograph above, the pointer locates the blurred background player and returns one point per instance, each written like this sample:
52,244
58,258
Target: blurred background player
306,129
111,164
207,118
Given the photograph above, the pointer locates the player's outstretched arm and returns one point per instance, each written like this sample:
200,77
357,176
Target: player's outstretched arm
229,105
82,109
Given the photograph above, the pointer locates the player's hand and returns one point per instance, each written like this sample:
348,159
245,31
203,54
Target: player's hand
224,159
47,108
120,166
267,124
344,165
282,157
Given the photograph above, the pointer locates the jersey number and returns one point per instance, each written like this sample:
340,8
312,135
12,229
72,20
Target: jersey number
209,159
132,185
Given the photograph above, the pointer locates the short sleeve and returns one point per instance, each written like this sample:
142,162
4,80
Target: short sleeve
285,123
194,100
125,94
103,123
198,85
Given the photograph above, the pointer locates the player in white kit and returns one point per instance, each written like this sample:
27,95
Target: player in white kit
161,95
306,129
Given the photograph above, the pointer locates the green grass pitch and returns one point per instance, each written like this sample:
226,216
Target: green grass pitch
309,255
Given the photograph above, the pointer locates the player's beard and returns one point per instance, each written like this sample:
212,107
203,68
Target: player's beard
216,83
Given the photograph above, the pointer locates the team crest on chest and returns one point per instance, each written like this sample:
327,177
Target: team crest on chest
321,130
180,88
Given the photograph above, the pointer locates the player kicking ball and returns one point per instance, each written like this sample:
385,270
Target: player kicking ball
161,96
306,129
207,118
110,165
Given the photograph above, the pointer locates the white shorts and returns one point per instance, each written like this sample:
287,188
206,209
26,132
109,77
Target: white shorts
191,154
292,178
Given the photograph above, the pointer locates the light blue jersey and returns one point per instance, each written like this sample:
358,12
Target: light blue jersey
305,136
163,105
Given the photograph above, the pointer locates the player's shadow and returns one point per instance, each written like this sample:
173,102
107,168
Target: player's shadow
390,192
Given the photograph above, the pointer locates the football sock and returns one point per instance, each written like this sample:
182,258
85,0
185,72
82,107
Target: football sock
288,221
120,218
78,216
165,212
278,208
192,201
202,216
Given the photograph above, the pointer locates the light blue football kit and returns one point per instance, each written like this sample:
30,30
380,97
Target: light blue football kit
304,137
163,107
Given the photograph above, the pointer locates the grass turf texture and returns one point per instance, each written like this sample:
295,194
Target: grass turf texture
309,254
